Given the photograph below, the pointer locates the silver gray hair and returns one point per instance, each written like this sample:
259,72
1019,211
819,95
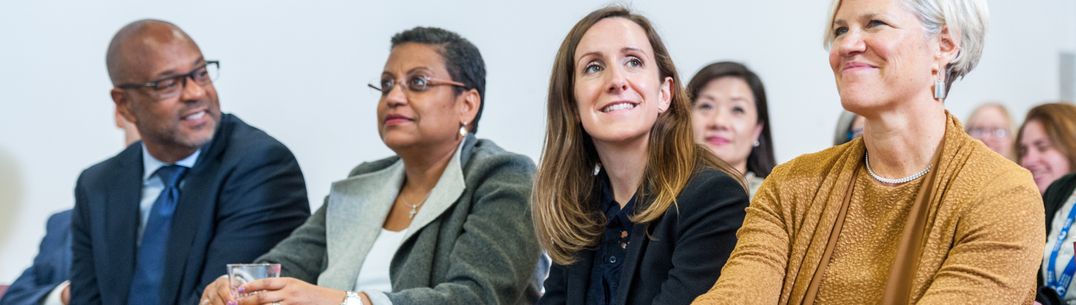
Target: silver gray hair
966,19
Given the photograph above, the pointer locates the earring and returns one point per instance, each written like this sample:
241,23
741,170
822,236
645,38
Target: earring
597,168
463,129
939,89
756,144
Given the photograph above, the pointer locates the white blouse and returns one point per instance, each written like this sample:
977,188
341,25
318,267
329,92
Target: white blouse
374,274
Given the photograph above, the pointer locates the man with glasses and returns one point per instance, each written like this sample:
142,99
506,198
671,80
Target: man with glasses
160,220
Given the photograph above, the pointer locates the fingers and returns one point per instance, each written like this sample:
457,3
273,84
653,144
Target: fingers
217,292
265,284
263,298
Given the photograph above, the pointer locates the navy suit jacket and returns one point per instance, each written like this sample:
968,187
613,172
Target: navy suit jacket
243,195
51,265
671,260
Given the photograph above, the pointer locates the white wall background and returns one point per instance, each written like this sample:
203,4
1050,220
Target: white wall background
298,69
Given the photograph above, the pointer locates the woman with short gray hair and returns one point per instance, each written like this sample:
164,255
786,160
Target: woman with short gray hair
914,211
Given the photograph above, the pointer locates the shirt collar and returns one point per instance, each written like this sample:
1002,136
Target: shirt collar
615,215
151,164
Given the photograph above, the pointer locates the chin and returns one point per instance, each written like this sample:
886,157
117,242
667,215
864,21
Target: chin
398,141
618,136
197,141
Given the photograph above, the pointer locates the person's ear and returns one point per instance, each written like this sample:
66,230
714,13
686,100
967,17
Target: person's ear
757,132
665,94
467,106
123,105
948,49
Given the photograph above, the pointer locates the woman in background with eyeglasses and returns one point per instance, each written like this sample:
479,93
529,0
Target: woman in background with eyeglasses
444,221
992,124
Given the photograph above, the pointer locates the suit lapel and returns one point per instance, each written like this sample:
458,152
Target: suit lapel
194,208
121,209
631,261
359,205
357,208
194,213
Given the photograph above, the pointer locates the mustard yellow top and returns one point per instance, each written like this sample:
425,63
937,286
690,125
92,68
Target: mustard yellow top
983,241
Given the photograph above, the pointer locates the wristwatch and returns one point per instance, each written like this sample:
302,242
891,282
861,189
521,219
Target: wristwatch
352,298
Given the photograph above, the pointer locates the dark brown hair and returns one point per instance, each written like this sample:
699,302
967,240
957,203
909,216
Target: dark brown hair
1059,122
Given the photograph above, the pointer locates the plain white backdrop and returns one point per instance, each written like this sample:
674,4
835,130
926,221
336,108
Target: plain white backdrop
298,70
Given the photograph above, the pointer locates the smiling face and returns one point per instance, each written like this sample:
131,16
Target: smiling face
726,120
408,119
1040,155
618,90
176,125
881,55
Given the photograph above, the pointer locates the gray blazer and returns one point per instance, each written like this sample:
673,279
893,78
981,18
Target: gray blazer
472,242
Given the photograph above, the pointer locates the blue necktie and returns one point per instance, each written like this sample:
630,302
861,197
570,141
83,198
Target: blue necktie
149,268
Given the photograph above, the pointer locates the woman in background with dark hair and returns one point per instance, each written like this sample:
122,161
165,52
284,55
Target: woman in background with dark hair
730,117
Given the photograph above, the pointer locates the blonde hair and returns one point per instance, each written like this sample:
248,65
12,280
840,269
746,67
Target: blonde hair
967,21
565,220
996,105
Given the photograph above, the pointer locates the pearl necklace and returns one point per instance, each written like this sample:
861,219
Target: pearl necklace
867,159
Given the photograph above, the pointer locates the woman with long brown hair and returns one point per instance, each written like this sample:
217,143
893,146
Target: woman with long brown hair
629,208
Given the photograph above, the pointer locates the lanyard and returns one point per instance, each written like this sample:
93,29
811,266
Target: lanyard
1061,285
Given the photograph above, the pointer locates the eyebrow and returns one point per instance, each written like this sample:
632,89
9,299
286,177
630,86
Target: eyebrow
841,22
622,51
409,72
172,72
419,69
731,99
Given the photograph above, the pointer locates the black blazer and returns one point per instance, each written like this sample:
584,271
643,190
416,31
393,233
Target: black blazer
244,194
51,265
680,260
1053,199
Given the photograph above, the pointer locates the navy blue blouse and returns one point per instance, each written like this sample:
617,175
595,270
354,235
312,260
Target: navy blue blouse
609,256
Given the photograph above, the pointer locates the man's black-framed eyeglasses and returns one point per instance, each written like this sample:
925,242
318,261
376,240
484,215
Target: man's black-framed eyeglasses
171,86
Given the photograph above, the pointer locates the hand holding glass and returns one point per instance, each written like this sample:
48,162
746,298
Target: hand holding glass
239,274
